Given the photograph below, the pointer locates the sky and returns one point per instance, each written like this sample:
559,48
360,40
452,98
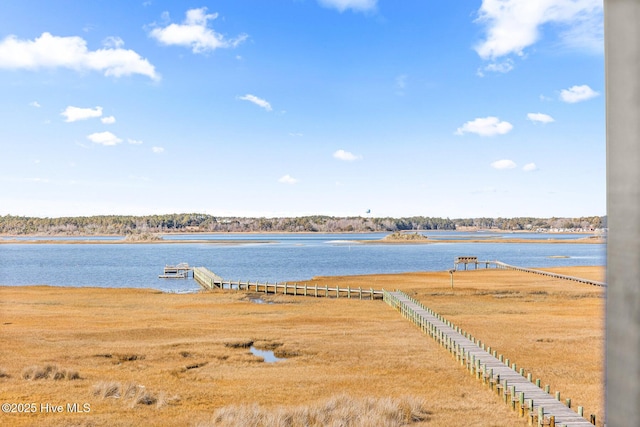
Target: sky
487,108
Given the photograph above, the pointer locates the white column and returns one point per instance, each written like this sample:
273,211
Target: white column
622,58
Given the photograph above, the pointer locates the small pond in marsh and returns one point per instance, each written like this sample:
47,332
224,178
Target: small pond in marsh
267,355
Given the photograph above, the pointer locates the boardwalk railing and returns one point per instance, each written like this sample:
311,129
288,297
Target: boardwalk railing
493,370
466,260
209,280
206,278
547,273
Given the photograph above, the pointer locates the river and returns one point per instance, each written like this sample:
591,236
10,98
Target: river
270,257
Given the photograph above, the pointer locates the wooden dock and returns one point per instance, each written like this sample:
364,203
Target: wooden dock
499,264
516,390
466,260
180,271
209,280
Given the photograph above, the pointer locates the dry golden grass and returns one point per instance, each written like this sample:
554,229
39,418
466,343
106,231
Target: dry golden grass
552,328
341,410
187,356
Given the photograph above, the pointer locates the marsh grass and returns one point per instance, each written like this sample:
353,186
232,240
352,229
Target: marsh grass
49,372
131,393
239,343
341,410
121,357
107,389
267,345
552,328
362,349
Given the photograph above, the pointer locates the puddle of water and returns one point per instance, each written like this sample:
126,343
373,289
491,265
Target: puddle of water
267,355
259,301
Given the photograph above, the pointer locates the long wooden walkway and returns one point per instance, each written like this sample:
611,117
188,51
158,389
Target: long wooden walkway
515,389
520,392
548,273
209,280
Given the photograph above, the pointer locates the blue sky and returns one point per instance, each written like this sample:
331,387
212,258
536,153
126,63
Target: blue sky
302,107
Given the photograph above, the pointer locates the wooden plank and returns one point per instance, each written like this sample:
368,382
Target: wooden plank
550,274
209,280
475,356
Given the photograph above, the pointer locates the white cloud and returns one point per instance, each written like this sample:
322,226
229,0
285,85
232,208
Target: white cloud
503,164
401,84
195,34
488,126
108,120
288,179
104,138
157,150
134,141
530,167
357,5
577,94
346,156
48,51
113,42
513,25
497,67
35,104
73,114
585,34
258,101
540,118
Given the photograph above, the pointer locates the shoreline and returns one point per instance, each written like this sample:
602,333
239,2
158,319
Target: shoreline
487,240
591,238
241,242
373,276
131,242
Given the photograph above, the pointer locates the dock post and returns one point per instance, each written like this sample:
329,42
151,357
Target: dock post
540,416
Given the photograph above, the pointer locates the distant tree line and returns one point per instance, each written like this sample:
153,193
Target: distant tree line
176,223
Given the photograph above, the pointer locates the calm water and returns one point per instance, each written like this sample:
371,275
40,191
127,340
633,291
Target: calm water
280,257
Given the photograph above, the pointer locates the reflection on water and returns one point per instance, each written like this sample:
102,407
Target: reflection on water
267,355
258,300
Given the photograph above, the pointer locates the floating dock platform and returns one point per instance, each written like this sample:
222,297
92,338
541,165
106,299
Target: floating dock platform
180,271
